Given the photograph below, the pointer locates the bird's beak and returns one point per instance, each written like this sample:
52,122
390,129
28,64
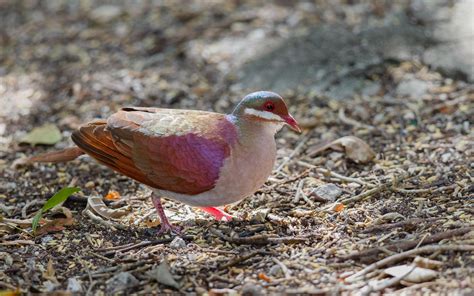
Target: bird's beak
292,123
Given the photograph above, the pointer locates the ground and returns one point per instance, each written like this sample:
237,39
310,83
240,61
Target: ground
396,74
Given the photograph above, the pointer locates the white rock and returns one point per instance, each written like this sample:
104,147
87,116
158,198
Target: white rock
105,13
417,275
326,192
74,285
177,243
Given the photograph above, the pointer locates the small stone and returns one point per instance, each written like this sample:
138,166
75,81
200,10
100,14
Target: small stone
8,186
120,282
250,289
276,271
90,185
74,285
259,215
413,88
50,286
105,13
177,243
446,157
326,193
46,239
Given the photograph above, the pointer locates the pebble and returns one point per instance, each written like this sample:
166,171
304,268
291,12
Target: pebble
250,289
177,243
120,282
326,193
105,13
74,285
90,185
446,157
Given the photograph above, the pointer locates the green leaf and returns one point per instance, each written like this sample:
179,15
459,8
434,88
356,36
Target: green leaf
47,134
55,200
59,197
36,220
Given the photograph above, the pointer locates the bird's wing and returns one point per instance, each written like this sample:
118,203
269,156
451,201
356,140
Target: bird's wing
173,150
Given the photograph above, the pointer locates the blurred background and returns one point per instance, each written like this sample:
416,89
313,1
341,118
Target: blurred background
397,74
86,58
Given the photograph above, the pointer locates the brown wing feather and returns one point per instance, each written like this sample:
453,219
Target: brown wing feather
94,139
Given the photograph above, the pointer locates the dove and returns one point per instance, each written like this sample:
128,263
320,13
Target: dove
202,159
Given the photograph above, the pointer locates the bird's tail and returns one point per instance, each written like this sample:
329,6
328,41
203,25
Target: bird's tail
63,155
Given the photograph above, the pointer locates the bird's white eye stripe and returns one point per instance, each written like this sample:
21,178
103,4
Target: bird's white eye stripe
262,114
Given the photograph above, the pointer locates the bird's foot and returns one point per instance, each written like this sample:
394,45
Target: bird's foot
167,227
217,213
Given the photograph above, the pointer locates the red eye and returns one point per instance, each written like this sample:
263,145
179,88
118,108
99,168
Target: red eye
269,106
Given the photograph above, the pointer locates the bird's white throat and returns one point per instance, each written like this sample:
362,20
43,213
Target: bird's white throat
262,114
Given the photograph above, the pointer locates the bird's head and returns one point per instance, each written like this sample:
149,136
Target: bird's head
265,106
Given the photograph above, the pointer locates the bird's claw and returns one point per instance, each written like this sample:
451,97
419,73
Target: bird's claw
169,228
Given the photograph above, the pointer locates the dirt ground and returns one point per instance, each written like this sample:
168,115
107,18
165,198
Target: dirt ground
324,223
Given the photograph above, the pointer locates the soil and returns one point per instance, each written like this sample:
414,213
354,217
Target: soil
66,63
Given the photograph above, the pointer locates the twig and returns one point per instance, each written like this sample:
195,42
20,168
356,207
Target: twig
110,224
364,195
216,277
408,222
335,175
8,286
283,267
304,137
29,204
424,190
139,220
405,245
242,258
6,209
17,242
390,282
129,247
349,121
401,256
258,239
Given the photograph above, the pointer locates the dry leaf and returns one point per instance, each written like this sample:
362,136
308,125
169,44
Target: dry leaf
163,275
57,224
16,292
427,263
264,277
354,148
50,272
98,205
112,195
338,207
47,134
417,275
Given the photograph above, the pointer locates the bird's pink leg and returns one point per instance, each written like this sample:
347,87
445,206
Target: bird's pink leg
217,213
165,224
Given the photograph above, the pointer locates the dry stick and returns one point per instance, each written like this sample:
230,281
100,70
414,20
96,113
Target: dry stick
349,121
401,256
335,175
424,190
101,221
129,247
258,239
364,195
304,138
390,282
385,226
283,267
240,259
405,245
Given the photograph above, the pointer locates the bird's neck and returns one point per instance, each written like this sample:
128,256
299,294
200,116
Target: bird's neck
252,130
